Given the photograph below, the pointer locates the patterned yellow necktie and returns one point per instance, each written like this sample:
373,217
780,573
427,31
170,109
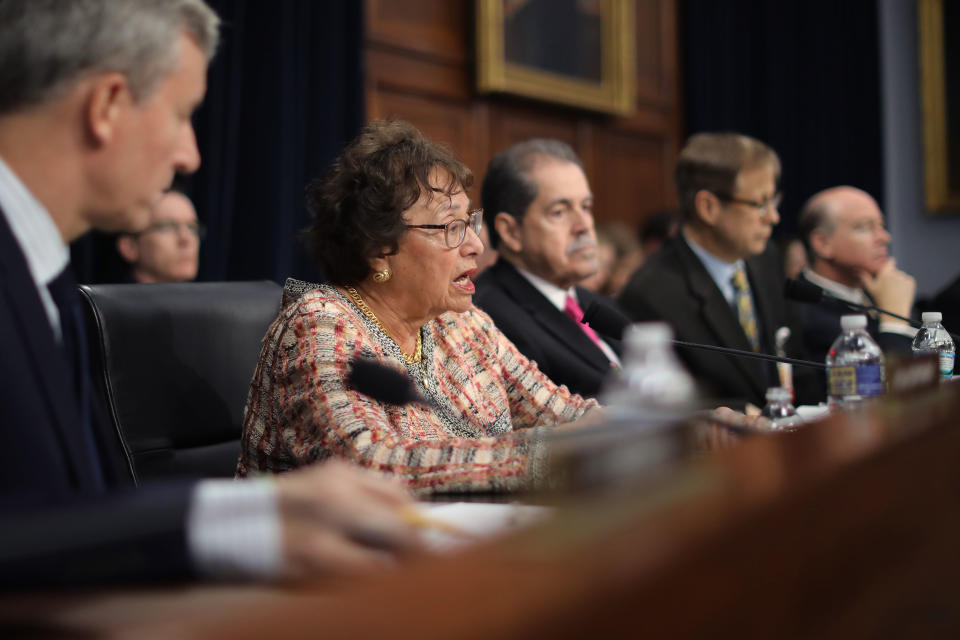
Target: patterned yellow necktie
745,312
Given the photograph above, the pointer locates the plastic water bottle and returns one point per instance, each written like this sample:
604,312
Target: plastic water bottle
933,338
652,387
854,365
780,411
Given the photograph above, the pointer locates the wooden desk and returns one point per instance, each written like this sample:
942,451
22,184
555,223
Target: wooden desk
847,529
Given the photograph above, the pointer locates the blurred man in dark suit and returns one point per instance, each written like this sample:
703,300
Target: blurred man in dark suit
843,232
719,281
94,122
539,209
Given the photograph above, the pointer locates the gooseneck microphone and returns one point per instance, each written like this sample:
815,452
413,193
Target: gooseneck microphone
611,322
382,383
810,293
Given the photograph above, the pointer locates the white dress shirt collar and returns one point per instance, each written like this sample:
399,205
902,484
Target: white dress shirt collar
43,247
40,240
842,291
550,291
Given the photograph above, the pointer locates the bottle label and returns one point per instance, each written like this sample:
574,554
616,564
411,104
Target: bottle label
946,363
863,380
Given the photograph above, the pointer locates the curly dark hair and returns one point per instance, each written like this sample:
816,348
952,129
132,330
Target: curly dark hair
357,206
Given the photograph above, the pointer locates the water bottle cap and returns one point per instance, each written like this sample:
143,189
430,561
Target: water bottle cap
777,394
931,316
849,323
649,333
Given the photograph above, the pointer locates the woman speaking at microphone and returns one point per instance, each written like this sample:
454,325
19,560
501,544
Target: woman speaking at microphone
394,231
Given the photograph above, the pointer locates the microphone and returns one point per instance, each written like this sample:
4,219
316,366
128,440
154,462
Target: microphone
612,322
382,383
809,293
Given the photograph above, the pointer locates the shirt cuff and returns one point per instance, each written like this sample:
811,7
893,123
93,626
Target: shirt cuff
898,328
233,529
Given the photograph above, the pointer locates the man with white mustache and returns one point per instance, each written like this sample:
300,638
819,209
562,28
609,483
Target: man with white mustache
539,209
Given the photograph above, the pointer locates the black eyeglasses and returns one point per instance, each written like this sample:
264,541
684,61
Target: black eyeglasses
172,227
760,207
456,230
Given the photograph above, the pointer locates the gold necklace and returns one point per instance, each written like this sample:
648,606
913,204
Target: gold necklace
367,311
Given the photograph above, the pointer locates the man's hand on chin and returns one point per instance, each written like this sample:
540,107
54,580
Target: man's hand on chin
892,289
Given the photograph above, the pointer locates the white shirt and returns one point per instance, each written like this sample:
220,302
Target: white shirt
856,295
233,528
39,239
558,298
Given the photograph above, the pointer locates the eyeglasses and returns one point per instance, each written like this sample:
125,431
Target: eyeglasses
761,207
456,230
172,227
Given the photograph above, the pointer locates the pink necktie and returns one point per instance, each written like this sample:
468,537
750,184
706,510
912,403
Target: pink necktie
573,310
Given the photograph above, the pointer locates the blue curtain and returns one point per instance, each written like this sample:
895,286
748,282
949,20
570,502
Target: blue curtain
285,93
801,75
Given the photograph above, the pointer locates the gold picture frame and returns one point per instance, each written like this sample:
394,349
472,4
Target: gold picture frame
941,158
595,68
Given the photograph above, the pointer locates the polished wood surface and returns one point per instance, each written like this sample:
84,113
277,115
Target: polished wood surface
846,529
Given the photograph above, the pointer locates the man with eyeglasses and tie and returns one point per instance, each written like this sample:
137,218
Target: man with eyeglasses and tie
168,249
539,209
719,281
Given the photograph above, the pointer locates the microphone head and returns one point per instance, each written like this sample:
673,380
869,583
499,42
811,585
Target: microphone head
382,383
803,291
606,320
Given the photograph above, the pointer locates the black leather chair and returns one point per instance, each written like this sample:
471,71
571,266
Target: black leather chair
173,364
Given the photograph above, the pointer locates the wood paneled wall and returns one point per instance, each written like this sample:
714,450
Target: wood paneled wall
420,68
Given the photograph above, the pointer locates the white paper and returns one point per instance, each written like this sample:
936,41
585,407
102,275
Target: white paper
466,523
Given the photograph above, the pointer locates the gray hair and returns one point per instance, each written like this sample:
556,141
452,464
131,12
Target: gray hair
507,186
46,46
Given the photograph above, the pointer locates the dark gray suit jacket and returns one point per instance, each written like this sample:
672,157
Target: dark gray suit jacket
542,332
674,286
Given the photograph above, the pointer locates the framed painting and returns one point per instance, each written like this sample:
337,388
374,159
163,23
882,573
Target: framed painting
940,88
574,52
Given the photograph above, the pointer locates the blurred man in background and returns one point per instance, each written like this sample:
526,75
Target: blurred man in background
846,241
719,281
168,249
538,207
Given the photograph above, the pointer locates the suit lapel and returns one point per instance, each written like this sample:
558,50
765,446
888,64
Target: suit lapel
551,319
718,316
759,285
47,363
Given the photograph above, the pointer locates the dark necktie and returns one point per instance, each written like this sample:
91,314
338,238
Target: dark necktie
63,290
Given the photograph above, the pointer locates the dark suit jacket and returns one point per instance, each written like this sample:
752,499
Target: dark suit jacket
820,326
674,286
56,525
542,332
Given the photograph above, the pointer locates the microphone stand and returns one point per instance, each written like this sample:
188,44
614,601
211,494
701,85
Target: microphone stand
750,354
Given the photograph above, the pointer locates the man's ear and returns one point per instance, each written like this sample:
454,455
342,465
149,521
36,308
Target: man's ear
508,228
708,207
128,248
108,96
821,245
